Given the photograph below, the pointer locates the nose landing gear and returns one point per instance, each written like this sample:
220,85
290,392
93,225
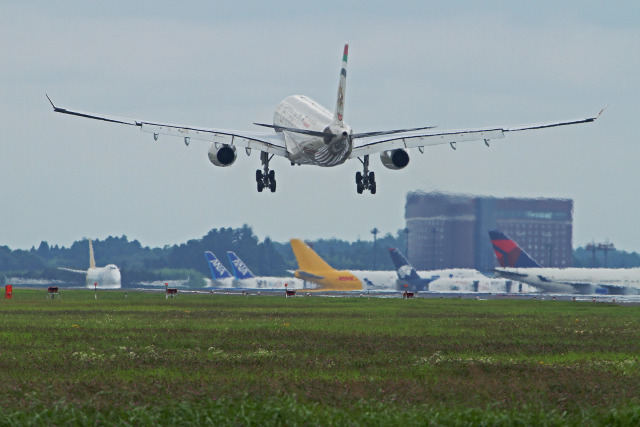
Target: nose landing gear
365,180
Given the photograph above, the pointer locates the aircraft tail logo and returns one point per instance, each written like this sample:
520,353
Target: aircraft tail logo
339,114
406,272
240,270
508,253
218,271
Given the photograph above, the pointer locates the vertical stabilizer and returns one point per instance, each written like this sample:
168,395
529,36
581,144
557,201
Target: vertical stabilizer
407,274
92,260
308,260
218,271
508,253
342,87
240,269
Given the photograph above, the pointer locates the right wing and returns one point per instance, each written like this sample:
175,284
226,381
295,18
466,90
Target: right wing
269,142
375,142
72,270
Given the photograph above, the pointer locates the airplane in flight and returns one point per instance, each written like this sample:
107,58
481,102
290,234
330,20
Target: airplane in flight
516,264
306,133
312,268
450,280
107,277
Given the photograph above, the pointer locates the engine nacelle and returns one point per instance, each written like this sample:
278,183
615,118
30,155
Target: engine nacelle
222,154
394,159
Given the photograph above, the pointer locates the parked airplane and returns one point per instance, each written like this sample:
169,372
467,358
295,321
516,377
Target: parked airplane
247,279
220,275
107,277
306,133
243,277
516,264
450,280
312,268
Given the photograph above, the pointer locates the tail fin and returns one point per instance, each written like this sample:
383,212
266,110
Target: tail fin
308,260
508,253
342,87
240,270
217,269
92,260
407,273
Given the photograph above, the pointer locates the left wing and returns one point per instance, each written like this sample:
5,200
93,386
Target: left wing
375,143
270,142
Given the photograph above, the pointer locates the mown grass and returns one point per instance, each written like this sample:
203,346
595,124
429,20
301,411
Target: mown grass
237,360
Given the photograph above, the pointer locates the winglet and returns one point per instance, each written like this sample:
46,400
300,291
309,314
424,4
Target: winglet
51,102
602,111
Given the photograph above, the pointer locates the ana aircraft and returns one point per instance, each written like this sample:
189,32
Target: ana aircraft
449,280
306,133
312,268
243,277
516,264
107,277
249,280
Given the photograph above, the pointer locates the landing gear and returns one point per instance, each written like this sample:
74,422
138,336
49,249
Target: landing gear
365,180
265,178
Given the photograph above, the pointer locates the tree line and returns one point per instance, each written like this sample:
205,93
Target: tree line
265,258
140,263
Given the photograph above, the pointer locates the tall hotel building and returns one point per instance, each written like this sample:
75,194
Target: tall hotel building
451,231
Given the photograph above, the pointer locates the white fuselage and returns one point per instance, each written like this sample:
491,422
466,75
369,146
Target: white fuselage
577,280
259,283
104,277
377,279
301,112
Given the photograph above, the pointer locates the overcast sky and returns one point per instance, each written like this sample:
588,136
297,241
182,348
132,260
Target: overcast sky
228,64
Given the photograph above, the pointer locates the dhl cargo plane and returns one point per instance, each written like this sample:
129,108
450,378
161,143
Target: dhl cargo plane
306,133
312,268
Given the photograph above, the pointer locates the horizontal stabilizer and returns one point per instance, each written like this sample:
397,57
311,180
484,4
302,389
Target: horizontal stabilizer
309,276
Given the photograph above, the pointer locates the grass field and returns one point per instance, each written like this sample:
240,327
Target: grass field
265,360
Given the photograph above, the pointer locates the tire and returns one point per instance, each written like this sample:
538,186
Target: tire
359,187
258,175
358,177
372,188
260,186
272,176
372,177
272,186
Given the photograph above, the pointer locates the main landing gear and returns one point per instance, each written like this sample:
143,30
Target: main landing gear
266,179
365,180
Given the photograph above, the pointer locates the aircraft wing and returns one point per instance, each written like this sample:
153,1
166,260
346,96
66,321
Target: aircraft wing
374,142
72,270
270,142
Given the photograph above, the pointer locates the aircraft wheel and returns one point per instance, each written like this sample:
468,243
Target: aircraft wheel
260,186
258,176
272,186
358,177
372,187
359,187
372,177
272,175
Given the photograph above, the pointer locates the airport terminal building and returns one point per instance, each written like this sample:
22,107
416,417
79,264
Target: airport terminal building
451,231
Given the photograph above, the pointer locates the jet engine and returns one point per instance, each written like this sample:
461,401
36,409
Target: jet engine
222,154
394,159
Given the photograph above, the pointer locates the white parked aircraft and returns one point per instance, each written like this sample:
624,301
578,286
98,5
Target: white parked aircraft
516,264
306,133
107,277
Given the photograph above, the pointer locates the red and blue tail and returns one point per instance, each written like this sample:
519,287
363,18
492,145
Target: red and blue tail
508,252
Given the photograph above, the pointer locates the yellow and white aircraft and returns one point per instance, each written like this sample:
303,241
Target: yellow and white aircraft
312,268
306,133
